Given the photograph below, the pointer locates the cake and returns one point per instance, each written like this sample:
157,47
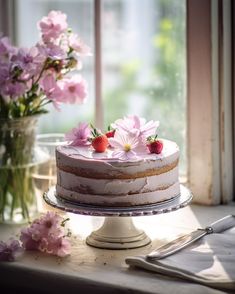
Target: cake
130,171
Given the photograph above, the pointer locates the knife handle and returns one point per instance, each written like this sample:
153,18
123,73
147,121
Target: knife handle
176,245
223,224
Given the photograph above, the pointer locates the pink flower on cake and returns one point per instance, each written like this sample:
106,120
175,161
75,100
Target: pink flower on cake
53,25
127,145
136,125
80,135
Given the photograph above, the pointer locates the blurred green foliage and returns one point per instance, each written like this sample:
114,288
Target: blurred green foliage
163,96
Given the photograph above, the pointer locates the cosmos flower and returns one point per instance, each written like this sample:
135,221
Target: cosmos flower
127,146
136,125
79,136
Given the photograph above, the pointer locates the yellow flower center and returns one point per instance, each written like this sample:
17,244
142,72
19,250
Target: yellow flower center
127,147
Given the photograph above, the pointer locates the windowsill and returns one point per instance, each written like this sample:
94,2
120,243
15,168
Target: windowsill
104,271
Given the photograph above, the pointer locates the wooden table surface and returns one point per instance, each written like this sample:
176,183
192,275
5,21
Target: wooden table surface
93,270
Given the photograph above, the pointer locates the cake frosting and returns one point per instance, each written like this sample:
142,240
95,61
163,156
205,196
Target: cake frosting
88,177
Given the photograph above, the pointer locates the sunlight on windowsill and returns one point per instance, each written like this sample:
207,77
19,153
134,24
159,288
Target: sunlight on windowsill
163,227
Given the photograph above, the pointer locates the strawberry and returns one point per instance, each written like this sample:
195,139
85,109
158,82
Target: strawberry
99,141
110,133
154,145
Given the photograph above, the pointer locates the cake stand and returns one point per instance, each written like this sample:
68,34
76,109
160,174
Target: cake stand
118,230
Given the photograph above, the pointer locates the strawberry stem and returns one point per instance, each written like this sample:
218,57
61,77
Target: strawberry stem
94,131
152,138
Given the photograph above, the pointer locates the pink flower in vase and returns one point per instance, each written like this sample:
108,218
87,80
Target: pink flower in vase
78,45
29,61
52,51
30,80
51,89
80,135
6,49
127,146
74,90
12,90
53,25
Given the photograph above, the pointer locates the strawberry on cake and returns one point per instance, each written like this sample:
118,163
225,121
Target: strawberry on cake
126,166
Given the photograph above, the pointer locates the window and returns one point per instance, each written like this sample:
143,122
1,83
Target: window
144,50
143,62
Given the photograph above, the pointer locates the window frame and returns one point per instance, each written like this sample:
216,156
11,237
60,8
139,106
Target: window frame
7,14
209,111
99,109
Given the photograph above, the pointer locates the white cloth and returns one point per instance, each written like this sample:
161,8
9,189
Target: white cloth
209,261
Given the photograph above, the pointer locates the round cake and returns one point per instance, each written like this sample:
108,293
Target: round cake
86,176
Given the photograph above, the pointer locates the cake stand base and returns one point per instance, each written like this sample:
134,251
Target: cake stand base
118,230
118,233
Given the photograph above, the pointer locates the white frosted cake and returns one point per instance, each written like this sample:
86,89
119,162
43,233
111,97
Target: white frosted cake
85,176
122,175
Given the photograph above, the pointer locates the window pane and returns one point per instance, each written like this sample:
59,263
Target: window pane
145,64
80,19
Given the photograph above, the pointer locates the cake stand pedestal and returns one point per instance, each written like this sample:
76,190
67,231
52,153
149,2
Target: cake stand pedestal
118,233
118,230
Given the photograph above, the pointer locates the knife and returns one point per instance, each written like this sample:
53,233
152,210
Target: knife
176,245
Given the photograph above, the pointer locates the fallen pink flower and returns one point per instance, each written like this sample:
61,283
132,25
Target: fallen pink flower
10,251
46,234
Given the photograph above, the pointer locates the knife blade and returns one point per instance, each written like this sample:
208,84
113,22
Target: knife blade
176,245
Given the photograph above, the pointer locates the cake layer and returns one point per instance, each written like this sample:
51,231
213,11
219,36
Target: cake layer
84,185
120,201
84,162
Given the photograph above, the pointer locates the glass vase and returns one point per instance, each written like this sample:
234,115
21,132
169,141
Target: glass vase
45,173
18,202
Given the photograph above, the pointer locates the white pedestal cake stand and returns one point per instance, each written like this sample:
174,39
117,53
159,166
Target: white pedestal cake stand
118,230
